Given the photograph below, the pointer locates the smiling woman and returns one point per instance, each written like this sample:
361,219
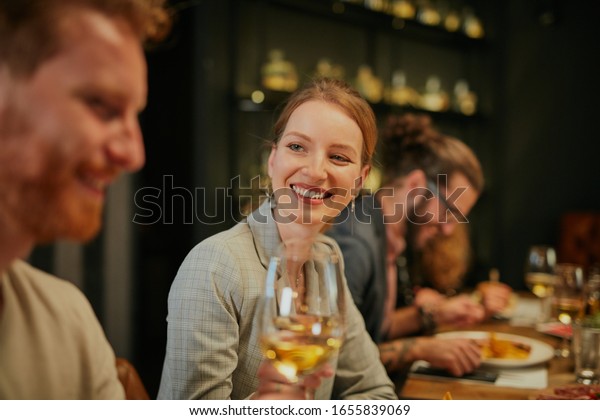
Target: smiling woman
324,140
317,162
325,137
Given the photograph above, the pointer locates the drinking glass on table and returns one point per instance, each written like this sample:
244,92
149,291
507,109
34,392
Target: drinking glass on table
301,322
567,301
586,349
591,293
540,276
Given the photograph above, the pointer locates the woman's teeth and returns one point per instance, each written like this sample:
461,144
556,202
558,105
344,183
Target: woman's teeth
308,193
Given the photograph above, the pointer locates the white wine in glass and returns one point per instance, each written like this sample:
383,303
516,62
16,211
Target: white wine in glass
540,276
540,284
301,322
302,344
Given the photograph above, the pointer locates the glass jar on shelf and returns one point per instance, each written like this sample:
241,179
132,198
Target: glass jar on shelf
378,5
451,18
472,25
465,100
404,9
427,13
434,98
278,73
399,93
368,85
326,68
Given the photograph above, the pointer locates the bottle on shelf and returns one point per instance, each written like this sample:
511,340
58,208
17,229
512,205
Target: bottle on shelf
451,19
368,85
434,98
472,25
404,9
465,100
325,68
427,13
377,5
400,93
279,74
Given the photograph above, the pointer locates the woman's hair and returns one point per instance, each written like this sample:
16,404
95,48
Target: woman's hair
410,143
341,94
30,29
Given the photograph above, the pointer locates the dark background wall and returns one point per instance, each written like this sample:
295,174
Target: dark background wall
548,142
537,136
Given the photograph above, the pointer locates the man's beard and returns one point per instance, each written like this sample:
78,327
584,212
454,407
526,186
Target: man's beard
42,206
46,210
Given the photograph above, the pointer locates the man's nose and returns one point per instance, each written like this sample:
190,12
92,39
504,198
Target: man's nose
447,228
126,149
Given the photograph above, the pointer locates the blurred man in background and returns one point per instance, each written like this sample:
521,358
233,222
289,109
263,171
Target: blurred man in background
72,82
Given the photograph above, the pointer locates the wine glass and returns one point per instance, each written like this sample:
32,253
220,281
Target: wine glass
301,322
540,276
567,301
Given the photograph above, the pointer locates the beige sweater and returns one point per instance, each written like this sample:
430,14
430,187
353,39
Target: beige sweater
51,344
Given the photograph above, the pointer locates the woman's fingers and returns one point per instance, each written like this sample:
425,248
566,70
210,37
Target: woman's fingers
274,385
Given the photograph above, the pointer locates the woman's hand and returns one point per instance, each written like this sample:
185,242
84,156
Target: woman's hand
457,356
274,386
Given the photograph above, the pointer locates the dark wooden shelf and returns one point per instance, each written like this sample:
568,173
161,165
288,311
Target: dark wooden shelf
274,99
361,16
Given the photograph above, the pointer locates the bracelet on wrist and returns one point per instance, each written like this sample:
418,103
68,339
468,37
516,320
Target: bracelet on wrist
428,324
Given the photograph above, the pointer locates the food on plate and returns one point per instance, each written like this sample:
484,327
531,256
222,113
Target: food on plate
571,392
496,348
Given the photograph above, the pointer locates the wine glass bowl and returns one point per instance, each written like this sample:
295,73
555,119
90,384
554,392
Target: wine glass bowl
301,323
539,270
540,275
301,344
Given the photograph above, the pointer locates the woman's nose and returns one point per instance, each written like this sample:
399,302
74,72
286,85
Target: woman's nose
315,169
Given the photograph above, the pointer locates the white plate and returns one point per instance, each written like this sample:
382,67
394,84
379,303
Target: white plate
540,351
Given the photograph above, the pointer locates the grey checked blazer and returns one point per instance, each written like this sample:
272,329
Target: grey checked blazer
212,343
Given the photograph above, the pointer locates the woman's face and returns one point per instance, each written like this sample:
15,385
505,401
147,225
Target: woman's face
316,167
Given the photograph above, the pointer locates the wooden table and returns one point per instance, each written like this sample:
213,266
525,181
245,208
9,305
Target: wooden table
560,372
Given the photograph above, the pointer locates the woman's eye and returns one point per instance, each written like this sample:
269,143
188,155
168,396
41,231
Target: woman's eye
340,158
296,147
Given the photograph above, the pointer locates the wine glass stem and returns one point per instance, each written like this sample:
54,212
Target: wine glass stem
564,348
546,309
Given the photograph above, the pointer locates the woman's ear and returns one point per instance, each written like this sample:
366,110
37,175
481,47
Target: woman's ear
364,173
